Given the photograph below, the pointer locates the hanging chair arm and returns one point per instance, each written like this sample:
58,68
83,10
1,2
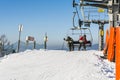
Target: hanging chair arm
90,35
74,19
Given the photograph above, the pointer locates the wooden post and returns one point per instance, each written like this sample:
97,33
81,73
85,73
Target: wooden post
45,41
34,44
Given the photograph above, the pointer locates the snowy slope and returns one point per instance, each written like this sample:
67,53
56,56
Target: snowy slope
56,65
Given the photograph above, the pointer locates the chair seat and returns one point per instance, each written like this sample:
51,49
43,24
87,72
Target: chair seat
88,43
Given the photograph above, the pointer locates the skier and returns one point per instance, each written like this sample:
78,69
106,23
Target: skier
70,43
82,41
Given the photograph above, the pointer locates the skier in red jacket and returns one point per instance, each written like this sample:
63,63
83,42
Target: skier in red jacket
82,42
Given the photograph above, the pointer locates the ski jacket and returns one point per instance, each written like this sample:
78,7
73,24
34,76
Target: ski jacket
83,39
69,39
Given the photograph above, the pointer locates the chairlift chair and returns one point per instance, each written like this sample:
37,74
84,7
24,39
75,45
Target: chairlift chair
77,32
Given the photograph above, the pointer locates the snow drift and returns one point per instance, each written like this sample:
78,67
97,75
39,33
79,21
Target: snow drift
56,65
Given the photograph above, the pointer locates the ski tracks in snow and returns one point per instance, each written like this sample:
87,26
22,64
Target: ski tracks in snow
107,68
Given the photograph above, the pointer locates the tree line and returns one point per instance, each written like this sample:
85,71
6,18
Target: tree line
5,46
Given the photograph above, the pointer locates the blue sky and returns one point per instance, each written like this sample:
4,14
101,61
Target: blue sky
38,17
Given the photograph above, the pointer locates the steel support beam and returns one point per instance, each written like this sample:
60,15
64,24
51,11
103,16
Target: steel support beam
101,32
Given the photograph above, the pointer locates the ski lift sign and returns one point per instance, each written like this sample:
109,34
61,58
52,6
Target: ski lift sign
29,38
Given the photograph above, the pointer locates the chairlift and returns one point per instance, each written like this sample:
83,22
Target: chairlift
77,32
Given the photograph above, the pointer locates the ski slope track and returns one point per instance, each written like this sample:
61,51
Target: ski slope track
56,65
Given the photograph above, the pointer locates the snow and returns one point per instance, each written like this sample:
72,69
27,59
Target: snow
56,65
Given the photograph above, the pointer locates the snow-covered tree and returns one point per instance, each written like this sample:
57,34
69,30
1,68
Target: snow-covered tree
3,41
5,46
